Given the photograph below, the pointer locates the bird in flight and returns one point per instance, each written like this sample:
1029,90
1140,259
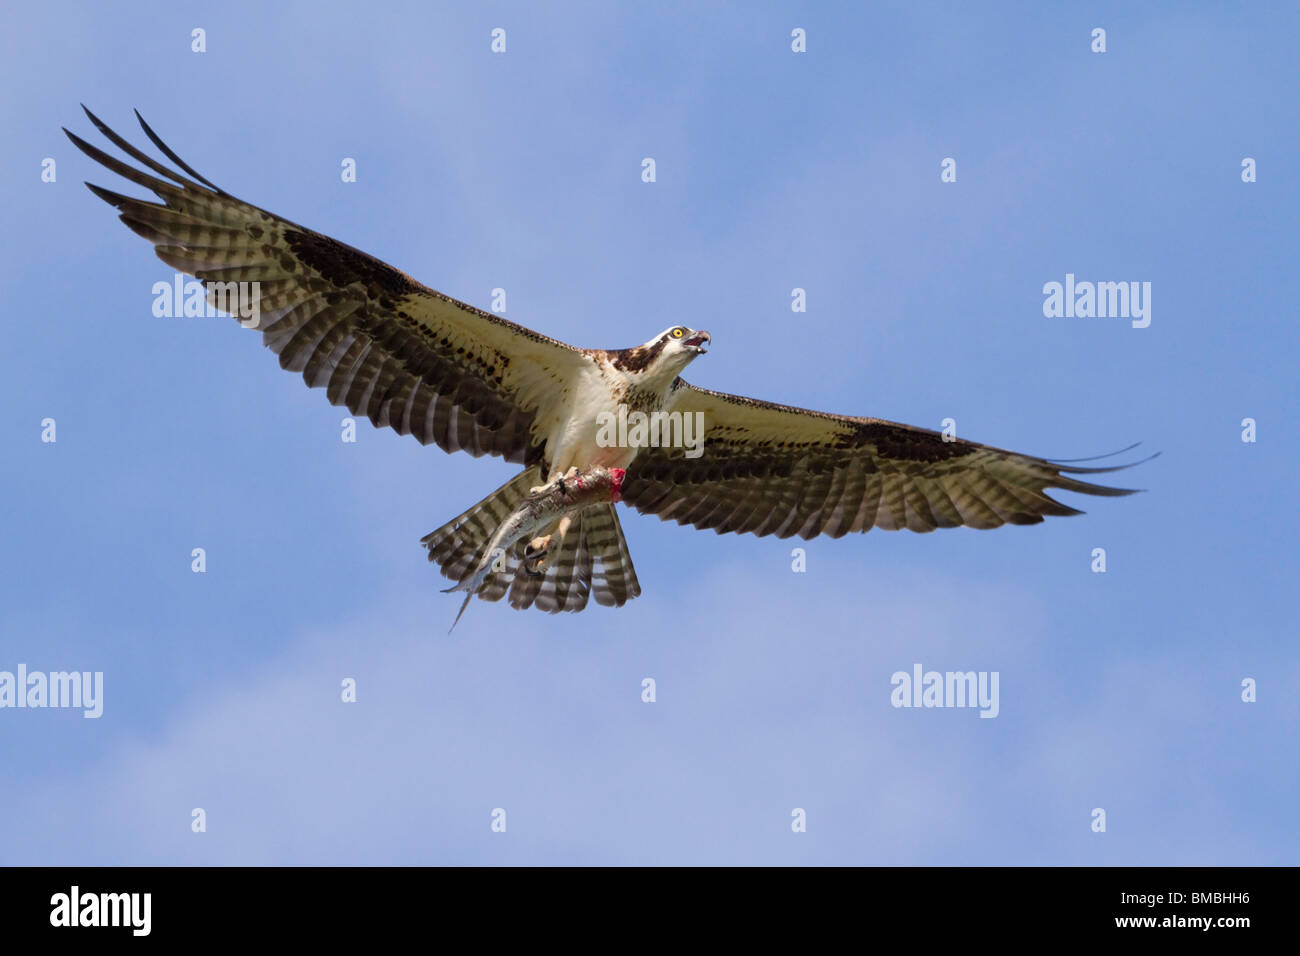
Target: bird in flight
424,364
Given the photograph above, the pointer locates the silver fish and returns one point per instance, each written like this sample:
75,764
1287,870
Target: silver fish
566,495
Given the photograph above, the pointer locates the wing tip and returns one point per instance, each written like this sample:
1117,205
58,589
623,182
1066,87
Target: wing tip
110,197
1109,454
1068,466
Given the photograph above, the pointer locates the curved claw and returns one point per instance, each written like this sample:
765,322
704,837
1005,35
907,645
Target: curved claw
535,555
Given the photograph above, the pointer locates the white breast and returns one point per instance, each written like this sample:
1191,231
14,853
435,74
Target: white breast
575,423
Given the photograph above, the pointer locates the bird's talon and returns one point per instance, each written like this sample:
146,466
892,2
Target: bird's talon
536,553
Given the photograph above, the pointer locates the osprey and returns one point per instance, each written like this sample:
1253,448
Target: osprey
424,364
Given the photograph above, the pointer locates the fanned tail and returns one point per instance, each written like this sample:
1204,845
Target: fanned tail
592,559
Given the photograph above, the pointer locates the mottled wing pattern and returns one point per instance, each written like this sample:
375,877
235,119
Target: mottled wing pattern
774,469
379,342
594,561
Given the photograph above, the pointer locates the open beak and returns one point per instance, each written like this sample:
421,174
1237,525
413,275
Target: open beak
697,342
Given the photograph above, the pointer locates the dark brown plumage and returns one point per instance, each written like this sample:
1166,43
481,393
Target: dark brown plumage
380,343
776,469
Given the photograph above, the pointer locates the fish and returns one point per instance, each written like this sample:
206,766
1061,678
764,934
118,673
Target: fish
566,495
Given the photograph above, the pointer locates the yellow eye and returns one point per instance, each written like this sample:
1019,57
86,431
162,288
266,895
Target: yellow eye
678,332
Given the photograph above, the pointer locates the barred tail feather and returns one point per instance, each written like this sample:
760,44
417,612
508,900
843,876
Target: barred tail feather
592,561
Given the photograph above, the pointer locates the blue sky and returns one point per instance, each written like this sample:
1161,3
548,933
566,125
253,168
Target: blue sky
775,170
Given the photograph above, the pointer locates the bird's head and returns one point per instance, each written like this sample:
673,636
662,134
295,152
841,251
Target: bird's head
680,345
665,355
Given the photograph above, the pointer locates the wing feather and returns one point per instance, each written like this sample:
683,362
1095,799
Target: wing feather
775,469
387,347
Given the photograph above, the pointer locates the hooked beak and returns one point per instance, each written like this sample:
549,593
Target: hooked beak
697,342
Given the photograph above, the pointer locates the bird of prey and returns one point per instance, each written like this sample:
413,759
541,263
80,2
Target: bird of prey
424,364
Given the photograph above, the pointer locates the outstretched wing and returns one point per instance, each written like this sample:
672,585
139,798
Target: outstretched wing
379,342
774,469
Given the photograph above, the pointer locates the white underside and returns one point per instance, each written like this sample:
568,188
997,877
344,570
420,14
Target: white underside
574,425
